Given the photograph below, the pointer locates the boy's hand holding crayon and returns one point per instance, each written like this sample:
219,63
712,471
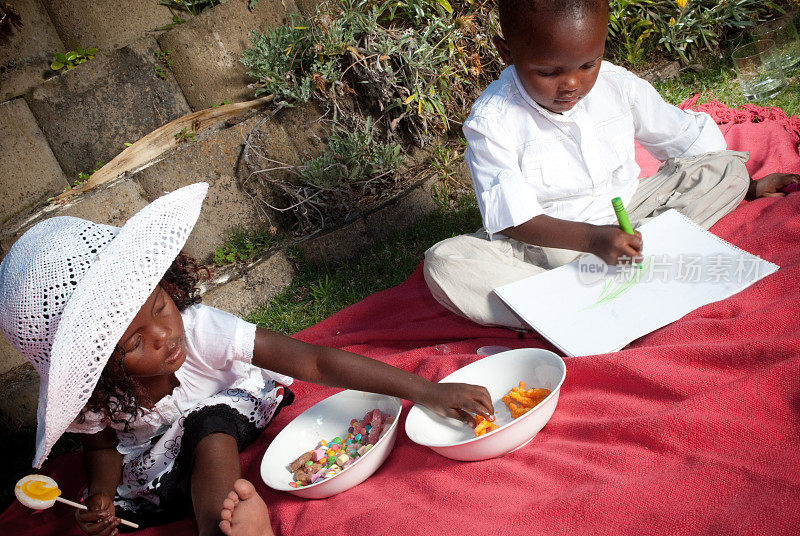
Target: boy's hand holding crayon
614,245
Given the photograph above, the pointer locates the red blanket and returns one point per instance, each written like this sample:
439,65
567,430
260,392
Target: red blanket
693,429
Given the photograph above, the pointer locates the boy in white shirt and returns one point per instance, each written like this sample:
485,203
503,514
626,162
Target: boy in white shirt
551,142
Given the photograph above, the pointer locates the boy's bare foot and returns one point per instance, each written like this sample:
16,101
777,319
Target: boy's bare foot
244,513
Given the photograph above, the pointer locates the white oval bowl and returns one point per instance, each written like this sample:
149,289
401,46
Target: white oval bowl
327,419
498,373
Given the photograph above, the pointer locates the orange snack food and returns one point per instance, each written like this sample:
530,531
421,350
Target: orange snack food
518,400
483,425
527,399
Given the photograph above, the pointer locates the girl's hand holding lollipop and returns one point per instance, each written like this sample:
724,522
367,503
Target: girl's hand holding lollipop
41,492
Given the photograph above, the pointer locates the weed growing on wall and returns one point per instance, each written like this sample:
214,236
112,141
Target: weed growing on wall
68,60
330,188
243,244
412,64
193,7
388,73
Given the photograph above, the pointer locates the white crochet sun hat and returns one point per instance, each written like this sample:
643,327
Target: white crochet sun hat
69,288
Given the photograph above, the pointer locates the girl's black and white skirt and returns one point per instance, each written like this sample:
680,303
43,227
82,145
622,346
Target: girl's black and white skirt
155,487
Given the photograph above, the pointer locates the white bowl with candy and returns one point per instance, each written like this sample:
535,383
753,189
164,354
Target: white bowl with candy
515,422
302,459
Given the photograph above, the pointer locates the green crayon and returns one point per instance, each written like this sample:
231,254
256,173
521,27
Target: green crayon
622,216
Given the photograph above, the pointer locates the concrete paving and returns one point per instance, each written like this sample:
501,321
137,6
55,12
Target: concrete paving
105,24
29,171
212,158
254,286
26,54
89,112
206,50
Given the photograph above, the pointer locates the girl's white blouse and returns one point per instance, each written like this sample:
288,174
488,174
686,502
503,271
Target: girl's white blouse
219,351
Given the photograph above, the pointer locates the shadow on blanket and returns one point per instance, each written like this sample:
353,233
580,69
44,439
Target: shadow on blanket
693,429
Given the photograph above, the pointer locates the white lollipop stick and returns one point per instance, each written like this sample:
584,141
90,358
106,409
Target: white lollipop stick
34,491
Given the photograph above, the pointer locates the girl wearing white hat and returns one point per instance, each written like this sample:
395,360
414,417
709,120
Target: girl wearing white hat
167,391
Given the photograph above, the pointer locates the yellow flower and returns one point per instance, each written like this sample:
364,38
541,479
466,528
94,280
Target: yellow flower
672,21
681,3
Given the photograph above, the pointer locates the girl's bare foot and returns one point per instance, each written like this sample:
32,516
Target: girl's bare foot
244,513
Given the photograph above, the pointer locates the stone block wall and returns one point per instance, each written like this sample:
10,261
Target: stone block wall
89,112
29,171
206,50
26,53
58,125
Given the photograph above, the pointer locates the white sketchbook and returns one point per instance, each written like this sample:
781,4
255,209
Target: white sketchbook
587,307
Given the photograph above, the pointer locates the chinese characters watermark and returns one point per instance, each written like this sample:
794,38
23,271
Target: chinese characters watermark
684,268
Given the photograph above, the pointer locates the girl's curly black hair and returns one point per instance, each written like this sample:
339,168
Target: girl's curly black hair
117,394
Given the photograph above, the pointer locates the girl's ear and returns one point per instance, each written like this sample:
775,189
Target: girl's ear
502,49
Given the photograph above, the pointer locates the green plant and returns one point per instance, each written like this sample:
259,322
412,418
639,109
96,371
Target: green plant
629,30
441,195
243,244
68,60
279,58
320,290
187,134
703,23
444,160
193,7
165,57
352,157
412,62
226,101
417,12
83,176
354,167
683,28
165,60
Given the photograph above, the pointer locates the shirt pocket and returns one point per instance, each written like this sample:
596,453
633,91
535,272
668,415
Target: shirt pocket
618,152
552,172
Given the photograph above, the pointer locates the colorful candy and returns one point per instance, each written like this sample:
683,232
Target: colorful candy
330,457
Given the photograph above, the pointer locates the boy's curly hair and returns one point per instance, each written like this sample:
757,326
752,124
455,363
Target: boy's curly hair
119,396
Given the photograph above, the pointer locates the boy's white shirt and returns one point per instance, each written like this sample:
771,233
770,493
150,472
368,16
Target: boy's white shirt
526,161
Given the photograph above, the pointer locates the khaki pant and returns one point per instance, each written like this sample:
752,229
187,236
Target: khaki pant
462,271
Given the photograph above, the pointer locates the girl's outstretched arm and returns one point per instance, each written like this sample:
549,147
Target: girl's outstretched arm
104,470
336,368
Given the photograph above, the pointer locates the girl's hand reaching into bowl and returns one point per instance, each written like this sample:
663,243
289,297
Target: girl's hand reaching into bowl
459,401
